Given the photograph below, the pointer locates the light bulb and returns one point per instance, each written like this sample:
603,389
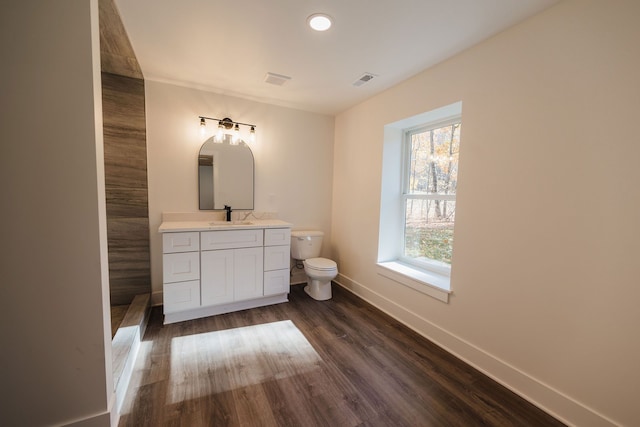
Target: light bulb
252,134
220,133
203,127
236,134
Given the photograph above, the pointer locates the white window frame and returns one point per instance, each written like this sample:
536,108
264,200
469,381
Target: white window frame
429,281
429,265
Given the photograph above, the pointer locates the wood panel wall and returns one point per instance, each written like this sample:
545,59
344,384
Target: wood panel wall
116,53
125,161
125,158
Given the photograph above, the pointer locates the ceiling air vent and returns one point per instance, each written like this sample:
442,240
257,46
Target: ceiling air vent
365,78
276,79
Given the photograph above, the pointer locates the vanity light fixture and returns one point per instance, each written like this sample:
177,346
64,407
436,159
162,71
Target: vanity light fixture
225,125
319,21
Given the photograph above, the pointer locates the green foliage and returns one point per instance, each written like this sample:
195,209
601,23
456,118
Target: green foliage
433,243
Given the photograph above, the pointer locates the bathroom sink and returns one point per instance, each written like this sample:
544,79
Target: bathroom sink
229,223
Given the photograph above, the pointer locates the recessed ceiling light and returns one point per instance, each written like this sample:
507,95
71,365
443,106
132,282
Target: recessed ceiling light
319,21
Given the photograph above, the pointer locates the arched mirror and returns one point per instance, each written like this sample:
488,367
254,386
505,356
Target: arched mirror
225,174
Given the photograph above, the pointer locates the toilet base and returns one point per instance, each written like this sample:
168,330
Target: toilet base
318,290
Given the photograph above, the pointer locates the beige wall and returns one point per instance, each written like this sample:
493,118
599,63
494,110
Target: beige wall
546,271
293,159
54,296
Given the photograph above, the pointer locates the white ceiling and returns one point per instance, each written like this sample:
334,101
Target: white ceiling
228,47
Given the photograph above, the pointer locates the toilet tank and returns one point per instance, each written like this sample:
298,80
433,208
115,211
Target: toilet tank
306,244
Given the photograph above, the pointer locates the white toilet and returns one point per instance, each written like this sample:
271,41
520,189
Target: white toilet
305,246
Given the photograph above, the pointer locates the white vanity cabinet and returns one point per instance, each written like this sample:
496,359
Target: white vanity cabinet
210,272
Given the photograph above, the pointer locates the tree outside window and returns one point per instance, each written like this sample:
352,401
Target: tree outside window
430,179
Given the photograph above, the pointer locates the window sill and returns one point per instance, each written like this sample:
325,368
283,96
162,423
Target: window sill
432,284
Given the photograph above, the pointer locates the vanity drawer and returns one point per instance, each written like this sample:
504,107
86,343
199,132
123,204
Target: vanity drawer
277,236
180,242
181,296
180,267
230,239
276,282
277,257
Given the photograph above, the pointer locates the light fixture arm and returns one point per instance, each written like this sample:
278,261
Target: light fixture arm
226,122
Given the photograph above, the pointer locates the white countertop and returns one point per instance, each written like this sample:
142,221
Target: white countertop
176,226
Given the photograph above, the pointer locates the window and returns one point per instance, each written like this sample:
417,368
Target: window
418,200
430,176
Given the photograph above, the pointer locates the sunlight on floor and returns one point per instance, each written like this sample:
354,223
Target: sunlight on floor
219,361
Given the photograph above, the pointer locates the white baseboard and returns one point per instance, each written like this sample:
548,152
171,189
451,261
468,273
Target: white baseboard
538,393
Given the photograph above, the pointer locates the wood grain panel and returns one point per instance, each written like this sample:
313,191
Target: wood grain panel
125,152
129,258
127,202
116,53
125,157
339,362
125,98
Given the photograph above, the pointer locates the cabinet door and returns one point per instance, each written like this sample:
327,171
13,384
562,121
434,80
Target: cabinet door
180,267
248,273
276,282
217,277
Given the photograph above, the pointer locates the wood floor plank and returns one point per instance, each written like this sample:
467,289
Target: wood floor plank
310,363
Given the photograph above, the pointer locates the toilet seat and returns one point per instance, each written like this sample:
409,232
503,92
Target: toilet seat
320,264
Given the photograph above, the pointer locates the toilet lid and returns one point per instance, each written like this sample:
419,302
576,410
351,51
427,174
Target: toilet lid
320,263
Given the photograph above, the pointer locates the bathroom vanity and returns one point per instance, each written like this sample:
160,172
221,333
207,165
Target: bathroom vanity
215,267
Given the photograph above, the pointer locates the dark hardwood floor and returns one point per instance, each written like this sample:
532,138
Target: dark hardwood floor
334,363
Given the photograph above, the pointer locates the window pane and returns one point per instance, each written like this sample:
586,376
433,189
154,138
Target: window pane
434,160
429,229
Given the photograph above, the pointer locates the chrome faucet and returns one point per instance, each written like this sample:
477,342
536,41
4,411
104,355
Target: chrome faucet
228,209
